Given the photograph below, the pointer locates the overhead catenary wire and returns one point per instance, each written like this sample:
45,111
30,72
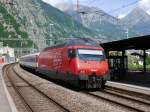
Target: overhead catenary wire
100,12
111,11
92,1
124,6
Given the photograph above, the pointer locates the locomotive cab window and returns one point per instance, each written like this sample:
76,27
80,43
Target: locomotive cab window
91,55
71,53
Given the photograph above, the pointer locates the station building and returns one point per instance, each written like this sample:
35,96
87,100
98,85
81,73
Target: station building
7,55
119,63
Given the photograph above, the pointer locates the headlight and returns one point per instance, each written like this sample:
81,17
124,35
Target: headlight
82,72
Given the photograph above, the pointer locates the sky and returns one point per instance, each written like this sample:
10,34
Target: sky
109,6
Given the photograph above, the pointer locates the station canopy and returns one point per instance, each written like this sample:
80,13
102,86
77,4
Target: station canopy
142,42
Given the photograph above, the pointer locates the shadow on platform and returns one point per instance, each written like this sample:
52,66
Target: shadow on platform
135,78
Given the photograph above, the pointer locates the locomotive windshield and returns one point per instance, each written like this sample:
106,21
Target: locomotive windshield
91,55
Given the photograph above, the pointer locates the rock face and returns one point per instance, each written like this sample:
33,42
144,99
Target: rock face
44,23
11,31
97,20
137,21
28,19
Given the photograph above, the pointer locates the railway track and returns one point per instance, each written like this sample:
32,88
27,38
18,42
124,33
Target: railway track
135,96
20,85
111,96
143,96
131,103
28,108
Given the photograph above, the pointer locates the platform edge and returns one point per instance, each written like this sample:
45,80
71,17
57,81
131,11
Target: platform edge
10,100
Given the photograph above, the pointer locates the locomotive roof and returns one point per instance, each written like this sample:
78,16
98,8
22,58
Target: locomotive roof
82,41
77,41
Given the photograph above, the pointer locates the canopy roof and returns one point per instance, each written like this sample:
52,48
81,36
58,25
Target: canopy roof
142,42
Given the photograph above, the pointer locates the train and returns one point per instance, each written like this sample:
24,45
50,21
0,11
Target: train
29,61
79,61
2,60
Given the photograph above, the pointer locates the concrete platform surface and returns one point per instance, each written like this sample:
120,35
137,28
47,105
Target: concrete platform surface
6,103
130,87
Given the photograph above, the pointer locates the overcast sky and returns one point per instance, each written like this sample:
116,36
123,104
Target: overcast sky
109,5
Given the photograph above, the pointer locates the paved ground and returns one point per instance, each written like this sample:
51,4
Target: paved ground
4,104
131,87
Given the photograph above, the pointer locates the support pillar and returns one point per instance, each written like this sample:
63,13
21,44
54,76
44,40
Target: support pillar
144,60
107,54
123,61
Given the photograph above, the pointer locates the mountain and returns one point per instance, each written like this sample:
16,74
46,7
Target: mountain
69,8
138,20
97,20
64,23
11,29
41,22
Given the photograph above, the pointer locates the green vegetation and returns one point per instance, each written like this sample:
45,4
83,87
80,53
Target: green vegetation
10,29
111,31
133,64
148,60
65,26
138,67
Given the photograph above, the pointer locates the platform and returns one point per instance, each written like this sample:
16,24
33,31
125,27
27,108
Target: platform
6,103
130,87
138,77
134,78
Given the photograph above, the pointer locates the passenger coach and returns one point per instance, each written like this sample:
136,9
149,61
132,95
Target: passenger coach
29,61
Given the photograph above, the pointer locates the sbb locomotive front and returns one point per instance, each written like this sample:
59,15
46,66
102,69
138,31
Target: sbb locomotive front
81,62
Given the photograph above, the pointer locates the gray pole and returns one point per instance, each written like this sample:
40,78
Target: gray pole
51,33
127,33
144,60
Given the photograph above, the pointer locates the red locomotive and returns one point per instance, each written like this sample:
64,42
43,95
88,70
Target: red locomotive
81,62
